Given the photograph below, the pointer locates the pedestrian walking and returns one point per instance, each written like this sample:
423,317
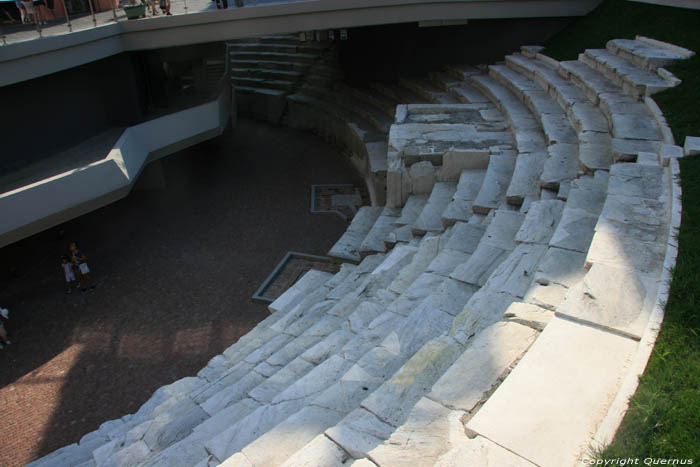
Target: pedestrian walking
68,272
79,259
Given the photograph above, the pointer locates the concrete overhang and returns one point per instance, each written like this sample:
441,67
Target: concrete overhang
31,59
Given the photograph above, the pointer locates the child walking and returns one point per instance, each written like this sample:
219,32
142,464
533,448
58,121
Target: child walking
80,260
67,272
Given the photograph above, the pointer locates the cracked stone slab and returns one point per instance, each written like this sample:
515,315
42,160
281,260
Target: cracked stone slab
309,281
529,315
487,356
348,246
503,228
595,151
447,261
374,241
393,400
320,452
636,180
278,444
524,183
639,218
561,165
484,308
613,298
465,237
359,432
626,150
540,222
557,129
420,441
427,251
636,126
480,451
643,54
589,193
480,265
514,275
563,267
575,230
571,372
587,117
496,181
412,209
691,146
430,218
616,247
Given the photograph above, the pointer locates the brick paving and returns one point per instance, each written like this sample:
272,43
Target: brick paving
176,268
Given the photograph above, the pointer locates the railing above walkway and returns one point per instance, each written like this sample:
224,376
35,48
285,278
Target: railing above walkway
33,58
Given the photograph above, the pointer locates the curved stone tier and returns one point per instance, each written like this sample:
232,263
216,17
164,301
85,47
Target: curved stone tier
502,304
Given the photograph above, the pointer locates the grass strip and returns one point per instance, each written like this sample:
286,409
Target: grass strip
663,420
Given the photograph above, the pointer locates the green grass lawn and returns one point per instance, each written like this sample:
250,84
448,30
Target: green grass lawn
663,420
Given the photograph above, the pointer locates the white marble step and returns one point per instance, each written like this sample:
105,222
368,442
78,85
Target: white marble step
348,246
444,80
412,209
584,204
430,430
524,185
462,72
428,320
546,391
565,92
634,80
468,94
498,176
161,422
460,207
427,90
428,248
494,246
291,399
463,241
630,231
648,54
385,223
430,218
179,420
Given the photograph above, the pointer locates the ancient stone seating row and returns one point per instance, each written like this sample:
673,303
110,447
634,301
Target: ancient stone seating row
603,312
483,324
357,119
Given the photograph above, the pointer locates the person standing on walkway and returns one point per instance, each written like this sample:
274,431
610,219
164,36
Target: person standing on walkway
80,260
4,316
68,272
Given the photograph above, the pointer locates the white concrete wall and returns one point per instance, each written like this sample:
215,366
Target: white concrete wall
25,60
36,207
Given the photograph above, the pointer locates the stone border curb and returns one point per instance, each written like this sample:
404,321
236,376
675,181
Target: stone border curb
259,293
607,429
660,120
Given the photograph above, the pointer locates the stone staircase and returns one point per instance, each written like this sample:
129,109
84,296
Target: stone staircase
497,310
265,70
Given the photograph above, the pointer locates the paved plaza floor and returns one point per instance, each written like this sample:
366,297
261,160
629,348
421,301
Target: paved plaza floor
176,267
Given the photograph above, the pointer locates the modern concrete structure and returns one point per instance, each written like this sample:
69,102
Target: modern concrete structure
27,60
